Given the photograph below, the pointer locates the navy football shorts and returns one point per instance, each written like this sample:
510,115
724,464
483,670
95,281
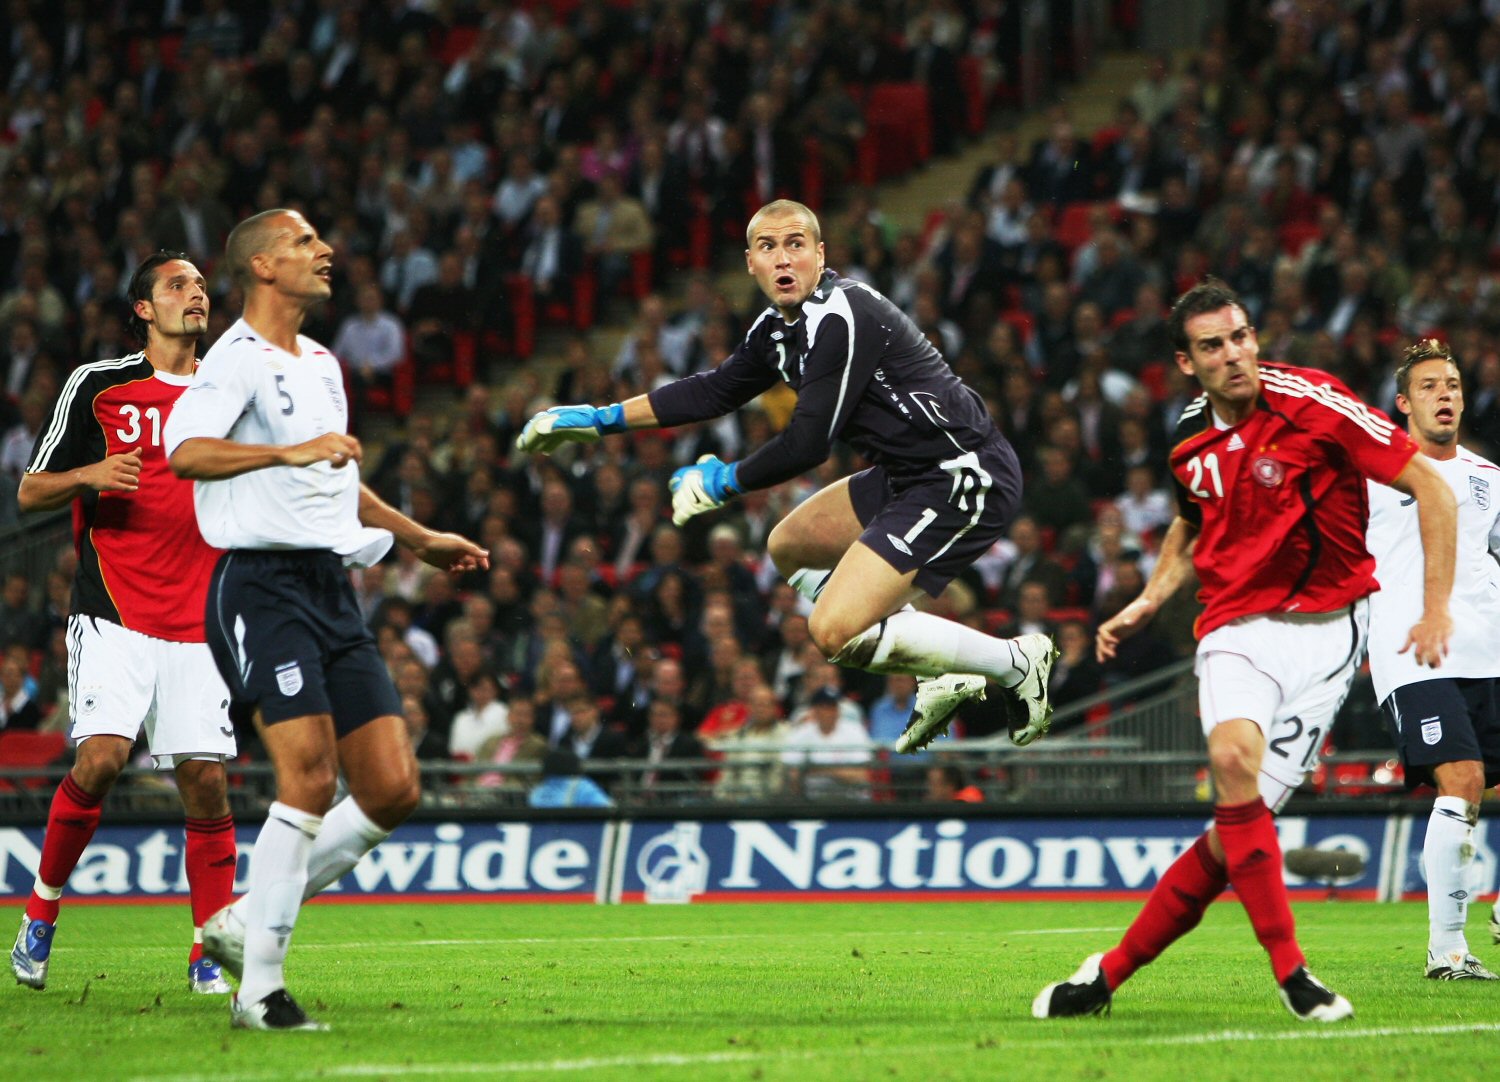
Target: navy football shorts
288,638
940,521
1445,721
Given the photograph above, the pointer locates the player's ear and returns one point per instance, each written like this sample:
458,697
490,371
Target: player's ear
821,257
1403,404
145,311
749,267
1184,363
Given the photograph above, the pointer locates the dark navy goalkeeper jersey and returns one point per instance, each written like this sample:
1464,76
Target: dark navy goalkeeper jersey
863,374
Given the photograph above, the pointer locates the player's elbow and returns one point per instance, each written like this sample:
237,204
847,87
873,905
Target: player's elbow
28,499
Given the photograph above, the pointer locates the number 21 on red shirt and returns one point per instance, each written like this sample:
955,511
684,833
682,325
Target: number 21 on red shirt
1199,467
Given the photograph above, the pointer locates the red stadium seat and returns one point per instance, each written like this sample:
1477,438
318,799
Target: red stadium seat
1294,236
971,80
23,749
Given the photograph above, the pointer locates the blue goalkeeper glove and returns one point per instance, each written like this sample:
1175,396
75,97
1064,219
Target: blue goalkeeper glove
702,487
552,428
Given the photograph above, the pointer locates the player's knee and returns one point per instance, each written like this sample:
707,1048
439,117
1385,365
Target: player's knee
839,640
204,790
99,763
782,547
390,807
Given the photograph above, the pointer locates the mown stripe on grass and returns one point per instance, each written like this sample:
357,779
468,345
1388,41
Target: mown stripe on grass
704,1059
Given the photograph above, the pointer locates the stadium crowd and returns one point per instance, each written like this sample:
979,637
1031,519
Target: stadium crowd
1337,165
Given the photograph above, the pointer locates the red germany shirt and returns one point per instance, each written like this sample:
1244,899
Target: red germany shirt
141,561
1279,499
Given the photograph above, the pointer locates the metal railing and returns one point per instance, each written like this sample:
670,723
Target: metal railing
1137,744
31,548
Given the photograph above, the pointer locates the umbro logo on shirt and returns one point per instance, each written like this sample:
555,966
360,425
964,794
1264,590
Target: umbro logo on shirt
898,543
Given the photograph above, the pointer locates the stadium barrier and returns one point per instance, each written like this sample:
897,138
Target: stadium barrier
933,854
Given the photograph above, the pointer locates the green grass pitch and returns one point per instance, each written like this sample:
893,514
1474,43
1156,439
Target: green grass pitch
744,991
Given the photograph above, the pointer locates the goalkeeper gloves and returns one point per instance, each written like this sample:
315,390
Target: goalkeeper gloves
552,428
702,487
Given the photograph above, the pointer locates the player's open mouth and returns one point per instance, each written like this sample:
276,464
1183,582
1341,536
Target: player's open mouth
786,281
195,312
1444,415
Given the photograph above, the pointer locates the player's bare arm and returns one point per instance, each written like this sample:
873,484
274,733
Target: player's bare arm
449,551
1437,519
47,491
1173,567
203,458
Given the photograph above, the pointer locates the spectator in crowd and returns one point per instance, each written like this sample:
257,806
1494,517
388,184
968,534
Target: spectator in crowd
564,784
890,713
483,721
612,228
1076,674
18,707
519,744
827,755
371,342
666,741
948,783
753,766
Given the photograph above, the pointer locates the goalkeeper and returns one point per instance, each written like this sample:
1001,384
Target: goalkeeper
943,489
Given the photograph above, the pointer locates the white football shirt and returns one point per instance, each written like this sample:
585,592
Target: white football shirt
250,391
1396,543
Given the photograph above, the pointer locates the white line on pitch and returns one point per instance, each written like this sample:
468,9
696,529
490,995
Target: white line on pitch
685,937
691,1059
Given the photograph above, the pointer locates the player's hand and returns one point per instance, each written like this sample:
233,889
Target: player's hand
552,428
1429,637
701,487
117,473
452,553
1122,625
335,448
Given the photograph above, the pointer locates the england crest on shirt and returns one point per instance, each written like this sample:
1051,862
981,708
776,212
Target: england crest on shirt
1479,492
289,678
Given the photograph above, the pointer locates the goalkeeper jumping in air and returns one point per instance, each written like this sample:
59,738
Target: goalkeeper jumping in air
943,489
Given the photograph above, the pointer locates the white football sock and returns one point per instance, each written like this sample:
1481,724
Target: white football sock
808,582
922,644
1446,856
347,834
278,872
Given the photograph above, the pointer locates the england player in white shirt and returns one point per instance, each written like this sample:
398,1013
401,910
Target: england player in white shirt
263,432
1445,720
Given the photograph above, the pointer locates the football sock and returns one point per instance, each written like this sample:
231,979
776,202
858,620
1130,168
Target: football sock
209,857
1175,907
808,582
921,644
1253,857
347,834
278,872
71,822
1446,856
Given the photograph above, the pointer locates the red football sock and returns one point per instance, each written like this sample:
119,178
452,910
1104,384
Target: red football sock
71,823
1174,909
1253,856
209,858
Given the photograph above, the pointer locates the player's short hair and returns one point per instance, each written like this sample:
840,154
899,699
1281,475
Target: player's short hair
1209,295
143,285
784,208
1427,349
248,239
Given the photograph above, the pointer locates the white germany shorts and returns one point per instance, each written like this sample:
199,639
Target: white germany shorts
120,681
1288,673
